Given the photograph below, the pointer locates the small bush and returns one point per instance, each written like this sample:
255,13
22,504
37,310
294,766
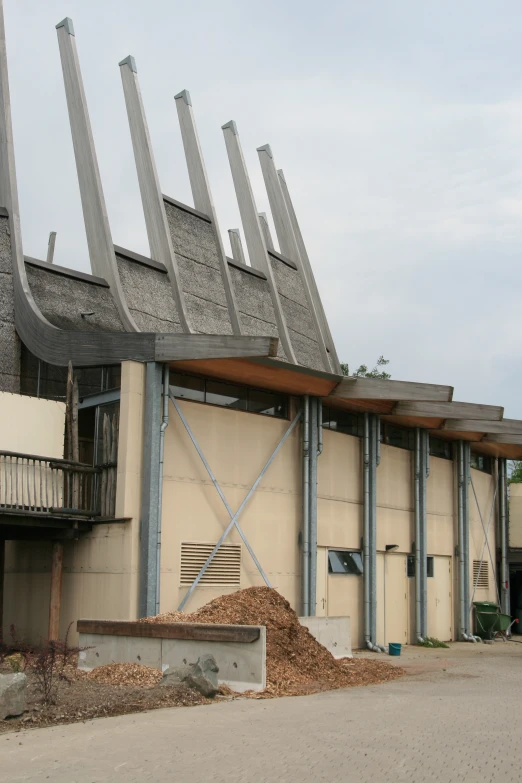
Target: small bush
430,641
49,664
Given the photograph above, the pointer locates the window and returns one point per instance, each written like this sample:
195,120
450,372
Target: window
400,437
481,574
343,421
440,448
410,566
342,562
39,379
229,395
224,570
480,462
187,387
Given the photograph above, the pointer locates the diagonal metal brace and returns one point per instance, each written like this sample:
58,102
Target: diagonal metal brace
233,517
486,541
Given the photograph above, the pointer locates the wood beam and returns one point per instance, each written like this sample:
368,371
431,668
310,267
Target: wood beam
444,410
2,577
512,438
288,243
469,425
255,240
204,632
97,229
55,600
202,195
176,347
158,232
353,388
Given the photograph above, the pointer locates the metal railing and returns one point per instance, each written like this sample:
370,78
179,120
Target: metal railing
46,485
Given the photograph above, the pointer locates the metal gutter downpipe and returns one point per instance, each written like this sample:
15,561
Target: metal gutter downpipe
366,532
464,479
504,572
425,472
314,439
305,565
418,545
163,427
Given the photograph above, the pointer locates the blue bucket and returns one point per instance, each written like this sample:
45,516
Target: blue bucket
394,649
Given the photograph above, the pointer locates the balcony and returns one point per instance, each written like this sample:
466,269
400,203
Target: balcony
42,497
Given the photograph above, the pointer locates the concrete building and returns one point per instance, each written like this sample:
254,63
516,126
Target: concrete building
215,444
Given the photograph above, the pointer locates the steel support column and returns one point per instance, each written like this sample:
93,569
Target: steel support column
149,523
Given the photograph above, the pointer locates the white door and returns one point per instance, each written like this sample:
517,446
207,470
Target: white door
321,608
395,590
439,600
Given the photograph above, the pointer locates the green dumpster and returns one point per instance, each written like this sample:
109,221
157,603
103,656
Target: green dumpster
487,620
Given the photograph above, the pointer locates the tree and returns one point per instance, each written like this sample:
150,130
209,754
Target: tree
363,371
516,472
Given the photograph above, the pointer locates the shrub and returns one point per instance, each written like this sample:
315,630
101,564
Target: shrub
430,641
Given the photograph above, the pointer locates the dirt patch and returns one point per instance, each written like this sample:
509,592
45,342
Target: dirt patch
295,661
83,697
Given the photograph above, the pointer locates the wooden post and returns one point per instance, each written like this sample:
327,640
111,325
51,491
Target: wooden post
50,247
2,574
55,600
75,446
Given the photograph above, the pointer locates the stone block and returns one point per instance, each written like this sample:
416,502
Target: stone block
13,694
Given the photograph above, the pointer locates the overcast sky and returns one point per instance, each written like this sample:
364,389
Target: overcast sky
398,124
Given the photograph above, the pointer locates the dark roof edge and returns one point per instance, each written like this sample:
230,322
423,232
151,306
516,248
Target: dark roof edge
284,259
62,270
143,260
244,268
4,212
186,208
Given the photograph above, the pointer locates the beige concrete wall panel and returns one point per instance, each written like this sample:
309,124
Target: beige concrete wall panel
43,427
26,605
339,468
441,535
345,598
95,596
339,524
394,526
440,487
485,488
394,478
515,516
392,599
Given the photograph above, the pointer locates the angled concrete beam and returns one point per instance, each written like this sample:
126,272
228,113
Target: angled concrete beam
99,240
514,438
353,388
158,231
202,195
469,425
255,240
236,246
307,269
288,242
266,231
50,247
444,410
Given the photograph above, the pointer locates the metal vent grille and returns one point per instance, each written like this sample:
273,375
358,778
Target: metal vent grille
224,570
481,572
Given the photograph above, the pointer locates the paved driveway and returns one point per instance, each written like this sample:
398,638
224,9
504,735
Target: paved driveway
455,717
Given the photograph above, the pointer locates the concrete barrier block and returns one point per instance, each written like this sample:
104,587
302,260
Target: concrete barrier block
241,666
118,649
334,633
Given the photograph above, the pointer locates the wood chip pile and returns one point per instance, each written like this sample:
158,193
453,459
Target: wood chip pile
125,674
295,661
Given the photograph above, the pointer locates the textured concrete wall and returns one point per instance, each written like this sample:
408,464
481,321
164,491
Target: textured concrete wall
63,299
298,319
149,297
196,250
255,306
9,342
